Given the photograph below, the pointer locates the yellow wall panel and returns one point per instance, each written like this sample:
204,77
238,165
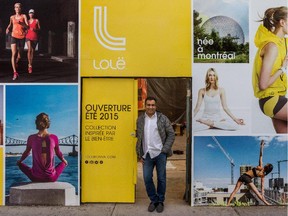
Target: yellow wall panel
109,111
139,38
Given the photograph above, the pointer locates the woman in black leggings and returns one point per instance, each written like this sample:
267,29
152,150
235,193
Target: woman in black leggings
247,177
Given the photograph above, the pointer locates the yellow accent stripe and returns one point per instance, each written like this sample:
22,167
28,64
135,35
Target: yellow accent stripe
270,105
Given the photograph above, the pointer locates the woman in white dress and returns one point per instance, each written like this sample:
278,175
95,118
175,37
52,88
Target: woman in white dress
214,98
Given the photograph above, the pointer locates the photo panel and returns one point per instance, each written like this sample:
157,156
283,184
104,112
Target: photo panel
220,162
46,50
2,176
261,123
43,119
221,103
220,31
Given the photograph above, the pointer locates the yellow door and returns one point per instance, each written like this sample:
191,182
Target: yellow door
108,157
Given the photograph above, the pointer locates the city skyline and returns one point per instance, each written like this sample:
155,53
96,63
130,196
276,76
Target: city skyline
213,169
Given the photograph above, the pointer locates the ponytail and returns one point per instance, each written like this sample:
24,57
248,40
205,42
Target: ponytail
272,17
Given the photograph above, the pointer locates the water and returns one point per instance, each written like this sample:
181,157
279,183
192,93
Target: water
14,175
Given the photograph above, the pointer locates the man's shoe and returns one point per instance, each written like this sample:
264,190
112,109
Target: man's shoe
152,206
160,207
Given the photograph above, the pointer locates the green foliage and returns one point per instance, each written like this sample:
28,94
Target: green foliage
197,21
238,204
220,44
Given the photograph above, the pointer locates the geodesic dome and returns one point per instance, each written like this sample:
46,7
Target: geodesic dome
224,26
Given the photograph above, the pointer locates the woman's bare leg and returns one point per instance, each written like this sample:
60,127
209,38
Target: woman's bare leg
20,52
207,122
32,55
223,124
197,126
282,113
280,126
237,187
255,190
280,120
29,53
13,56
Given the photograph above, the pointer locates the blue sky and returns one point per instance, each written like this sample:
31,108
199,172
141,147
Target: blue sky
24,103
235,9
213,168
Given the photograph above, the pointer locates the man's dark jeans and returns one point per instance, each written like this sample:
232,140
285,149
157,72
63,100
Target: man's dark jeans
160,163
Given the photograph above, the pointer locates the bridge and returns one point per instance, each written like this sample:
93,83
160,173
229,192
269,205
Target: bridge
71,140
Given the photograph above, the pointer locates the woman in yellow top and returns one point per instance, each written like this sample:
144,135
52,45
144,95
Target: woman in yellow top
270,66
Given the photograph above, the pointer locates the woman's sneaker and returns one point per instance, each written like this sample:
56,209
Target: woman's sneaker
29,69
15,75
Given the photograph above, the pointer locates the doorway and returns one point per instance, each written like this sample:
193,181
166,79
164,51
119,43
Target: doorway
173,100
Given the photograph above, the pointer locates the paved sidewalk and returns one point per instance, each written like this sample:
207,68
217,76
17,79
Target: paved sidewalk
172,208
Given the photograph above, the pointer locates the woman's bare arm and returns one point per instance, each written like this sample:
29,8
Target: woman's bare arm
226,109
261,153
269,55
9,26
199,101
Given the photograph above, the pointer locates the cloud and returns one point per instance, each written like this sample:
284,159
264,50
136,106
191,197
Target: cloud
235,1
267,140
210,146
282,139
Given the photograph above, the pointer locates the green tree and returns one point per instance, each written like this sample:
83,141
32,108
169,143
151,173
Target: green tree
230,43
217,43
199,32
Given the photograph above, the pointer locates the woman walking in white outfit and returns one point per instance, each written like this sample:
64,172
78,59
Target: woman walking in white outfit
214,97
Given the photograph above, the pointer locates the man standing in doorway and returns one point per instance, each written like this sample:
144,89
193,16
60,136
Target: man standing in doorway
155,136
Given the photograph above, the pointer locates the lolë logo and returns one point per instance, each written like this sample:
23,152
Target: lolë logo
101,33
